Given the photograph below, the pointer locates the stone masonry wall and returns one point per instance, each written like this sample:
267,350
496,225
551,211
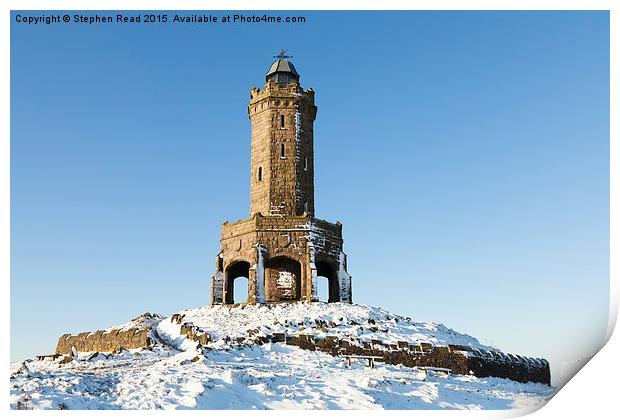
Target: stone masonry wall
283,236
130,337
461,360
282,161
106,341
412,355
285,241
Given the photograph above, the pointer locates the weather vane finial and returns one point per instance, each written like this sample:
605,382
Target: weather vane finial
282,54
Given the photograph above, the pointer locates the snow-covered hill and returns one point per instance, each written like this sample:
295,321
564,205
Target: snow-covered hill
177,373
321,319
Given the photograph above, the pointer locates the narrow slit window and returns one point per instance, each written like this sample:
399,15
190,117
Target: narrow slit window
282,151
306,163
281,121
260,173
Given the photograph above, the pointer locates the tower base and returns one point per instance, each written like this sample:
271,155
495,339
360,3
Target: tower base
281,256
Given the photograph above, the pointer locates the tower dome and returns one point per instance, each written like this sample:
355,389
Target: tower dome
282,70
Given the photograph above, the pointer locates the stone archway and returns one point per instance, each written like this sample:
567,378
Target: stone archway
235,270
327,270
282,279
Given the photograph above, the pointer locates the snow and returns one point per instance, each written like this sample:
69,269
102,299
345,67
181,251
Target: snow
285,282
353,320
175,374
344,279
260,273
141,322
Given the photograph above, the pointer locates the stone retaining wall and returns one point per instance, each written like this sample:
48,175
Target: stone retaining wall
462,360
106,341
191,331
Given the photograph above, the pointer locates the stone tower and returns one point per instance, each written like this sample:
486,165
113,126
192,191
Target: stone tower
281,248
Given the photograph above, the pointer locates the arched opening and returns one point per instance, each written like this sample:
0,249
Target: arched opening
283,279
326,271
281,121
322,288
240,289
237,282
260,173
282,151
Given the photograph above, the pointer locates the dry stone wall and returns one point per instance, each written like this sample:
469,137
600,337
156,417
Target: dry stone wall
106,341
137,336
461,360
191,331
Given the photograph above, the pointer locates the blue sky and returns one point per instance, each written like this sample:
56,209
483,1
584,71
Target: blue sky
466,154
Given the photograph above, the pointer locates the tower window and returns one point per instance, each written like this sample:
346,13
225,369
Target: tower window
306,163
281,121
282,151
260,173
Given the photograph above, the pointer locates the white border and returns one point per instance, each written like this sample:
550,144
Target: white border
592,394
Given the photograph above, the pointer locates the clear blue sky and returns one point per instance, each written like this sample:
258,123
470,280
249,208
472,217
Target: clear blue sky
466,154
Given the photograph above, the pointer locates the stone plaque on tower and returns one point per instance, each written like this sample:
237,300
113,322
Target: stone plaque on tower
282,247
